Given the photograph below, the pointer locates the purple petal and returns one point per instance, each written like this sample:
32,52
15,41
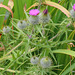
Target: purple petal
34,12
74,7
45,11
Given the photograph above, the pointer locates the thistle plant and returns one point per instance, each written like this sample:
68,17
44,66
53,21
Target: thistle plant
26,39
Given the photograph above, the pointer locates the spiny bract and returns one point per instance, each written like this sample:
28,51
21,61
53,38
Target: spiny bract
72,12
6,29
34,60
34,20
45,62
44,16
21,24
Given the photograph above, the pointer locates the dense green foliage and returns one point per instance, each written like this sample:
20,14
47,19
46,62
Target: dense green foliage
55,40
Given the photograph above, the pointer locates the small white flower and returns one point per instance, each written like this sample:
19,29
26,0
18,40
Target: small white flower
34,60
6,29
21,24
45,62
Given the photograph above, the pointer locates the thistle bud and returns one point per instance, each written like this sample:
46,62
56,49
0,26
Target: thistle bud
45,62
34,60
6,29
72,12
21,24
44,16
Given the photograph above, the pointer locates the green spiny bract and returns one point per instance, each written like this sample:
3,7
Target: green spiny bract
34,19
6,29
44,16
72,12
34,60
45,62
22,24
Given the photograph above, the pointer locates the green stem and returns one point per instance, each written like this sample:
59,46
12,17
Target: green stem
66,67
9,70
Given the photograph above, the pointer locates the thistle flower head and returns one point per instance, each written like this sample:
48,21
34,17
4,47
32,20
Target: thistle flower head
34,60
74,7
34,12
45,11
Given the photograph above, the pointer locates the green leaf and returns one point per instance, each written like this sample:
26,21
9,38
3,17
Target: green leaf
18,9
65,51
3,11
69,69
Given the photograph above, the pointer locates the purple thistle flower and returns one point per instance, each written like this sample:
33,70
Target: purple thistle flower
34,12
74,7
45,11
